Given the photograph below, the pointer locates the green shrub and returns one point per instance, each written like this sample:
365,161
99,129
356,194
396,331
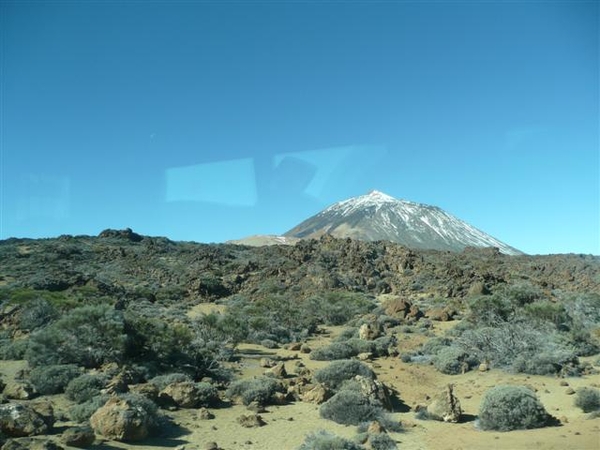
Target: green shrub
349,407
260,390
82,412
53,379
36,313
162,381
207,394
336,373
13,349
85,387
323,440
333,351
506,408
588,399
453,361
381,441
434,345
88,336
547,362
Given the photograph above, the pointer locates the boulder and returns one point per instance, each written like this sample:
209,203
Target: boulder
397,308
121,420
266,362
317,394
445,406
277,371
441,314
45,410
305,348
375,391
148,390
369,331
184,394
80,437
19,390
20,420
205,414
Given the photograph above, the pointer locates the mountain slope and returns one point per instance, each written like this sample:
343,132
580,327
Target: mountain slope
377,216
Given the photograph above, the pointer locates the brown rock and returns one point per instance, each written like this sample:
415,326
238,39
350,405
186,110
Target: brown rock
445,406
317,394
120,420
184,394
295,346
205,414
266,362
397,308
277,371
251,421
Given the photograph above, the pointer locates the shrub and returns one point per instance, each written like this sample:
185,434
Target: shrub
453,361
323,440
588,399
333,351
434,345
207,394
84,388
506,408
349,407
162,381
53,379
88,336
36,313
140,402
82,412
13,349
260,390
548,362
382,441
336,373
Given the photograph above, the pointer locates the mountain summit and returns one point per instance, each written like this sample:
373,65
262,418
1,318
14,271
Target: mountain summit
378,216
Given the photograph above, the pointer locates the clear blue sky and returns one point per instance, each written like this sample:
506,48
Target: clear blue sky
210,121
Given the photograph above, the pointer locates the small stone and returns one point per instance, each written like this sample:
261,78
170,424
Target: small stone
211,446
251,421
375,428
295,346
266,362
570,391
205,414
564,419
305,348
256,407
564,383
483,367
277,371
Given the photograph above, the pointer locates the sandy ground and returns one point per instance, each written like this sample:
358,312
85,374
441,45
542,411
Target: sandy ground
286,426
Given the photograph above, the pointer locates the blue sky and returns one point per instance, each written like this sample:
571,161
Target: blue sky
210,121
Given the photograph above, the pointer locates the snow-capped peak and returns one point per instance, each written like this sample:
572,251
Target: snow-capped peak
378,216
